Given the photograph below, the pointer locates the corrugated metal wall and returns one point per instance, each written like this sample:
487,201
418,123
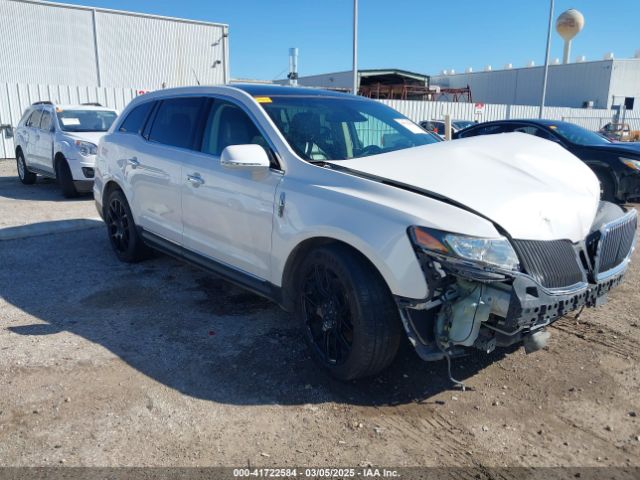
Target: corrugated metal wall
15,98
569,85
55,44
43,44
592,119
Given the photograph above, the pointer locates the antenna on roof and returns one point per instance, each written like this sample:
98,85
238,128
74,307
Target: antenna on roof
195,75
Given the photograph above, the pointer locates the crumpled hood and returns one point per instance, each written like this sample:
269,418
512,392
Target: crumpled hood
93,137
533,188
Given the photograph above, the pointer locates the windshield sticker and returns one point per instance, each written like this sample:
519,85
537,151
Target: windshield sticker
553,127
409,125
263,99
70,121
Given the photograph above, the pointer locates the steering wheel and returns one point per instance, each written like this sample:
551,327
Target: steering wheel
371,150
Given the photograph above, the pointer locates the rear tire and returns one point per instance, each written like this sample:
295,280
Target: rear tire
26,177
65,179
123,233
349,318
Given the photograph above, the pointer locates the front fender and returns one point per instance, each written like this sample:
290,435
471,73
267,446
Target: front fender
382,239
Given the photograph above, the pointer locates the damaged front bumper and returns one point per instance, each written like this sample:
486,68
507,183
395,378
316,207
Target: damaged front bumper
474,306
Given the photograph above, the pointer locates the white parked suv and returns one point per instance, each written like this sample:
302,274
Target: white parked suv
60,141
351,216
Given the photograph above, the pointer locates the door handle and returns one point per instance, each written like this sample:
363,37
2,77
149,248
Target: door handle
196,180
133,162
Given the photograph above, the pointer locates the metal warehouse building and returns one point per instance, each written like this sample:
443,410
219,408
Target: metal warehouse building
598,84
58,44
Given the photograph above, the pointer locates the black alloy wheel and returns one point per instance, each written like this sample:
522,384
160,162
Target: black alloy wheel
119,226
327,314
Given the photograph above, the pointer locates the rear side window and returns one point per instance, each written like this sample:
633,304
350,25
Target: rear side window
484,130
25,118
533,130
176,121
135,119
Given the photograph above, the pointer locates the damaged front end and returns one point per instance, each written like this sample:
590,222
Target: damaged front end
486,293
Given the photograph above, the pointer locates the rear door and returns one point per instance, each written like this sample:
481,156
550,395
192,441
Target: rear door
155,174
228,213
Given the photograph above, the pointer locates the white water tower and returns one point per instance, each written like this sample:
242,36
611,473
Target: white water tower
568,25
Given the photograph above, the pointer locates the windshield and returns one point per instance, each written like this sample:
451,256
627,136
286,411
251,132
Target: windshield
329,128
578,135
86,120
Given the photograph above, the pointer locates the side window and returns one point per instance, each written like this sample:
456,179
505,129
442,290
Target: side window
484,130
535,131
34,119
176,121
135,119
25,118
526,129
45,121
228,125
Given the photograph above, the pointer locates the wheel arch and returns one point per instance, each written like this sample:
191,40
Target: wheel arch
289,278
109,187
603,169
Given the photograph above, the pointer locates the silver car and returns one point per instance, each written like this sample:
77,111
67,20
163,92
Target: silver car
60,141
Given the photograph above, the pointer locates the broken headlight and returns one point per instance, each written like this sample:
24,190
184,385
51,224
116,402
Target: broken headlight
496,252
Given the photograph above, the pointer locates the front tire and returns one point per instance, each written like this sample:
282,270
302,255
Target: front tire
349,318
26,177
65,179
123,233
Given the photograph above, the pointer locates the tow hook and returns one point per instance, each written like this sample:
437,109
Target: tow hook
536,341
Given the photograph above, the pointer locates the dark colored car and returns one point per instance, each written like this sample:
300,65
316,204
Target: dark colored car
617,165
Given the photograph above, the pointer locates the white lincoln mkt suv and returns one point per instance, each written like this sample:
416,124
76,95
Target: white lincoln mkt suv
351,216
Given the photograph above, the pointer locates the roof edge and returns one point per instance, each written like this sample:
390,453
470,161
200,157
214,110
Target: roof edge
122,12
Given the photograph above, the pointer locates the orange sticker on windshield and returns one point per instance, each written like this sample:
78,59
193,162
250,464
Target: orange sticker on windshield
263,99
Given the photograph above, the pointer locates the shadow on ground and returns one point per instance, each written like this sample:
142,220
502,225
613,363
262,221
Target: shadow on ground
188,330
45,189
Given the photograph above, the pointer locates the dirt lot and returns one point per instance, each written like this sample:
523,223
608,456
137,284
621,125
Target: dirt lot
105,364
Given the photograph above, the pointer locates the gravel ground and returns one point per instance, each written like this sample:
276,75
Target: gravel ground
156,364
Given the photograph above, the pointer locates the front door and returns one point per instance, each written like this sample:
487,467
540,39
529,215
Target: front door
32,137
228,213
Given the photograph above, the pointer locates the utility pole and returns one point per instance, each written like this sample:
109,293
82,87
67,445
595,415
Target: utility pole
355,47
546,61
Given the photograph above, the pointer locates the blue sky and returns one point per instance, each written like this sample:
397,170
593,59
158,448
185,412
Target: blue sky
418,35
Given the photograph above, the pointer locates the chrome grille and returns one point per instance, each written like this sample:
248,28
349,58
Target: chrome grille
553,264
616,241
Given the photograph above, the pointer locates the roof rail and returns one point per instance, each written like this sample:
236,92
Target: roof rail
92,104
42,102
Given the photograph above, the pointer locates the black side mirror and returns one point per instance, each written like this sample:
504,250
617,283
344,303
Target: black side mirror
8,131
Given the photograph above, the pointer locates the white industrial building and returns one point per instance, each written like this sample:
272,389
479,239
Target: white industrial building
597,84
58,44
